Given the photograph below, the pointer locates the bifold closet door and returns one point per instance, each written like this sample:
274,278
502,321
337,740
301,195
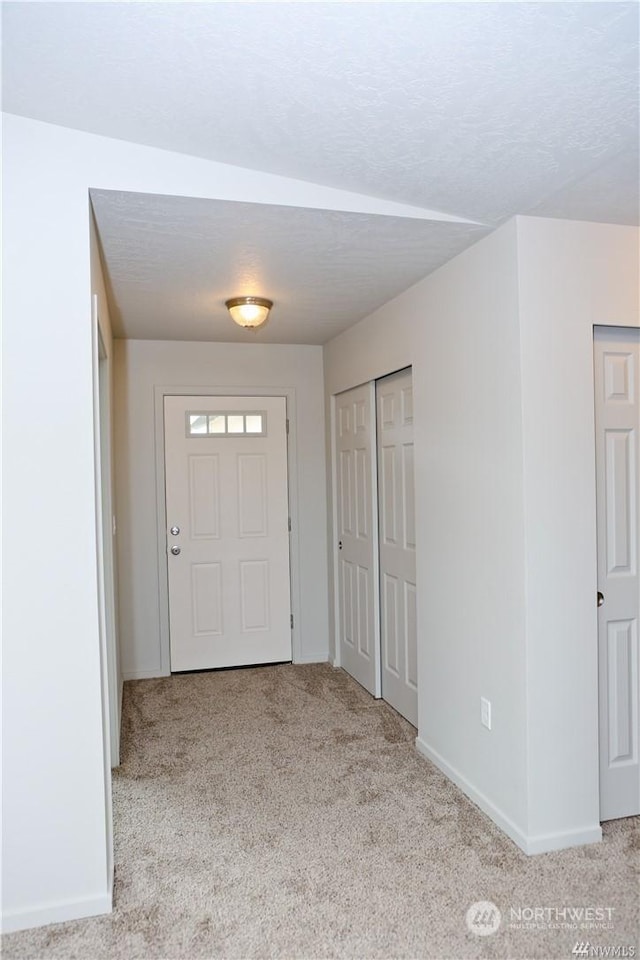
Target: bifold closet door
396,513
617,385
357,548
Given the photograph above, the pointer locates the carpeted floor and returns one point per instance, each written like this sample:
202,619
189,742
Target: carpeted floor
282,812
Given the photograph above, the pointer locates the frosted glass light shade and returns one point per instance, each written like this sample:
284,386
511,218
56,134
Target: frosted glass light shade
249,311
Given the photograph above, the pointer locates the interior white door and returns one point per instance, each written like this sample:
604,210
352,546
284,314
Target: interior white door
396,513
617,384
357,555
227,531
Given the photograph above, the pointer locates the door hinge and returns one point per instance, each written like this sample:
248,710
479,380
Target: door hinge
289,524
287,426
291,621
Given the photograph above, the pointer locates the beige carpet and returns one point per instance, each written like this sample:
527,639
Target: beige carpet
282,812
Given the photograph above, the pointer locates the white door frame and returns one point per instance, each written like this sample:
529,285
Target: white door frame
104,570
337,659
104,535
162,391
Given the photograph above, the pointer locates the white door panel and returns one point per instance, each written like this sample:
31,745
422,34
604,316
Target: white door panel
357,536
396,498
617,383
226,493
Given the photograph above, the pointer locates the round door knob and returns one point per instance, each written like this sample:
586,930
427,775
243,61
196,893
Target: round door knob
175,551
600,598
174,531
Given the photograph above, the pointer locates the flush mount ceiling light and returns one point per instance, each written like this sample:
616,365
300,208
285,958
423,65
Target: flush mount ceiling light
249,311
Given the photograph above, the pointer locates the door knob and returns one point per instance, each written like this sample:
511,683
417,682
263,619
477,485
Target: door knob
175,551
174,531
600,598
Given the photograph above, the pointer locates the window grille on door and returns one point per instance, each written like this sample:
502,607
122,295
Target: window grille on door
246,423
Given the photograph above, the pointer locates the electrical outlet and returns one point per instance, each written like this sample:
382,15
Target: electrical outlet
485,712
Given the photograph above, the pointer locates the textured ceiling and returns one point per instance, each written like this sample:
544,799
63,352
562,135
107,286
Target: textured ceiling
477,110
173,261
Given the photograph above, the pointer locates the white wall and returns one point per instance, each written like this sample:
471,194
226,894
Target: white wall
572,275
459,330
55,836
55,842
143,365
501,344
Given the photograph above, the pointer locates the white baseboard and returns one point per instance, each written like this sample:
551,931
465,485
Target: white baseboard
158,674
144,674
542,843
498,817
57,913
546,842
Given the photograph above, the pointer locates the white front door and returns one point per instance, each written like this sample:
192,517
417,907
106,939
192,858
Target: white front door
617,386
227,531
357,560
396,514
